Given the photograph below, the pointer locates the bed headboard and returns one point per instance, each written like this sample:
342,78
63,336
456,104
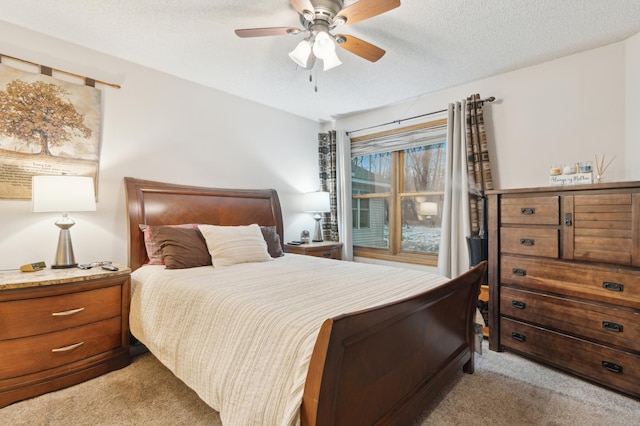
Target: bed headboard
157,203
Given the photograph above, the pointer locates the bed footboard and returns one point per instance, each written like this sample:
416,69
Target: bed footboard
383,365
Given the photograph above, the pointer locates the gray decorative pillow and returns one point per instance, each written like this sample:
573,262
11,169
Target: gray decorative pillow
270,234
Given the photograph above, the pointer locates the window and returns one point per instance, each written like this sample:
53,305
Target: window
397,185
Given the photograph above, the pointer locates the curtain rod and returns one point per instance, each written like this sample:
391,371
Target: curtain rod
48,71
489,99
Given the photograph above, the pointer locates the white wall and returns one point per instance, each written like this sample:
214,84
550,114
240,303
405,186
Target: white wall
560,111
159,127
632,79
565,110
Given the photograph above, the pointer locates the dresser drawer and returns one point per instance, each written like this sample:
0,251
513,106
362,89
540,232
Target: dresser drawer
37,353
28,317
607,325
597,283
530,241
616,369
530,210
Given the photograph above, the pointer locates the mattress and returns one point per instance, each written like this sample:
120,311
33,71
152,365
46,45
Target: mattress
242,336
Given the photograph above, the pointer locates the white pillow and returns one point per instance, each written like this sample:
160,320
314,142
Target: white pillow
229,245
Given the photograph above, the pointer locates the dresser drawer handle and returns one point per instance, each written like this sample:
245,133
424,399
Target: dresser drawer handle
519,272
326,254
65,313
527,241
68,348
611,366
517,336
527,210
518,304
612,326
613,286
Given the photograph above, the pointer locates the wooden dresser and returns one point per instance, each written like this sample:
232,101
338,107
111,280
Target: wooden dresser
59,327
564,279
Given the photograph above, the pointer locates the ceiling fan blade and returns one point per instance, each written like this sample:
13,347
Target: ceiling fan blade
302,5
263,32
365,9
360,47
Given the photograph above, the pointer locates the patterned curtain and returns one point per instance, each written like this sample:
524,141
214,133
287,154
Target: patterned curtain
478,165
327,168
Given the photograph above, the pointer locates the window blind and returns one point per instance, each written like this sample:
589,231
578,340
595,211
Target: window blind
400,141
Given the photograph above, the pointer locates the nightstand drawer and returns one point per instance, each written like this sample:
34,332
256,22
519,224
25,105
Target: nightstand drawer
28,317
608,325
327,254
325,249
32,354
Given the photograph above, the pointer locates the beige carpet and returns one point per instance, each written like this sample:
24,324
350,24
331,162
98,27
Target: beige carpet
505,390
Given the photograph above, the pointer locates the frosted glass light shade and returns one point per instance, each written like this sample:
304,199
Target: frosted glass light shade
316,202
331,61
300,55
62,194
323,46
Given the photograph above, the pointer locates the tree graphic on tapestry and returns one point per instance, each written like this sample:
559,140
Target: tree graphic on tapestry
39,114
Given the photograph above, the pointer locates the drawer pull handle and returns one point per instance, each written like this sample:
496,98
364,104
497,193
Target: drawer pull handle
65,313
519,272
568,220
517,336
527,241
527,210
518,304
611,366
68,348
612,326
326,254
613,286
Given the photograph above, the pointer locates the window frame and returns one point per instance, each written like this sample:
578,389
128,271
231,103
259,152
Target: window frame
394,252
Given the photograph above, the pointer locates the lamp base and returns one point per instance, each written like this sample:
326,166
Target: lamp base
317,234
64,253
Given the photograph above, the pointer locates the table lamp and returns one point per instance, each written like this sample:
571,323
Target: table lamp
427,210
317,202
63,194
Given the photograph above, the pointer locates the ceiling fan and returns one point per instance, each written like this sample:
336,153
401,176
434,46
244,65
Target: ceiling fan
319,18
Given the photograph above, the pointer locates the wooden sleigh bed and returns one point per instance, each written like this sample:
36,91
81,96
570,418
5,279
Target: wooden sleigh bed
379,365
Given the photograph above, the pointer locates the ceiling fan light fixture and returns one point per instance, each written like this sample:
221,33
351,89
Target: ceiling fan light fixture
331,61
300,55
323,45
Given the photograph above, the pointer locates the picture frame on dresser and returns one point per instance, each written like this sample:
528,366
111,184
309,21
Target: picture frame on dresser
564,279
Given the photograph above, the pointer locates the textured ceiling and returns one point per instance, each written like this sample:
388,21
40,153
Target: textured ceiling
430,44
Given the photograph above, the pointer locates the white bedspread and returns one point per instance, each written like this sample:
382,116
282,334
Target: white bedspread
242,336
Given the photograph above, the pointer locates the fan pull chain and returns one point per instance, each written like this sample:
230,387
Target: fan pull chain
315,87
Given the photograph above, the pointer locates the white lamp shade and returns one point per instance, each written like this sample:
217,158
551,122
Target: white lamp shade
323,46
300,55
331,61
317,202
62,194
428,209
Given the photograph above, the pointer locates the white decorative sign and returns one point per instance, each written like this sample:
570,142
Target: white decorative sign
573,179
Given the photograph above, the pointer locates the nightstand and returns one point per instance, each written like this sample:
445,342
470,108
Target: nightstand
326,249
60,327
